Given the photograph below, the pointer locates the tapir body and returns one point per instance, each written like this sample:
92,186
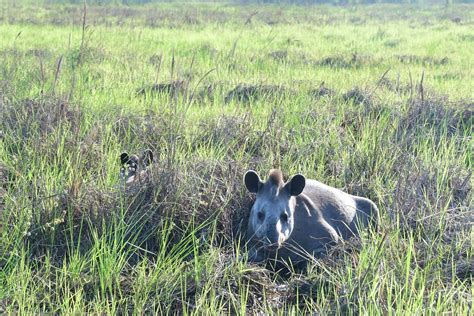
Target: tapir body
301,218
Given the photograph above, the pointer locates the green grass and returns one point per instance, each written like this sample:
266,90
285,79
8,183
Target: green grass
396,126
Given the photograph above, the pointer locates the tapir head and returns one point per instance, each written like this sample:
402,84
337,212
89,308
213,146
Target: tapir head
272,215
133,166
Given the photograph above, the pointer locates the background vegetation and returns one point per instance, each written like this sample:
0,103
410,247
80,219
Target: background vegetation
300,2
376,100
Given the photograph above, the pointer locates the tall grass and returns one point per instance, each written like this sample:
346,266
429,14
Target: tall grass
375,101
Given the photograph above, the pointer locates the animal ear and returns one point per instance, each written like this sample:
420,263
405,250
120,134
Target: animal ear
296,185
124,158
147,157
252,181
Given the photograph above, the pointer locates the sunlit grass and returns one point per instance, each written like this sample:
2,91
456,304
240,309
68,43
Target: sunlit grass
72,242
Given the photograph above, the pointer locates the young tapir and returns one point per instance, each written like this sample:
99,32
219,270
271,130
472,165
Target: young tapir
134,168
290,221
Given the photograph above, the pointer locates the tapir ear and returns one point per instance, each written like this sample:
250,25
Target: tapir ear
147,157
296,185
124,158
252,181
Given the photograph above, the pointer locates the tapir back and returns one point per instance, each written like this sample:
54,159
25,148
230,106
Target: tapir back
324,215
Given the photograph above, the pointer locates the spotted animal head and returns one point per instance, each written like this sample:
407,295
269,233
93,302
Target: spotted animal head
272,215
134,167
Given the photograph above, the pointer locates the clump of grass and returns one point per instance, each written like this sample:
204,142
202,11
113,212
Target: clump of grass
396,86
342,61
208,92
149,129
46,125
424,60
322,91
234,133
358,96
207,192
419,192
245,93
39,117
156,60
279,55
200,193
366,107
436,115
171,88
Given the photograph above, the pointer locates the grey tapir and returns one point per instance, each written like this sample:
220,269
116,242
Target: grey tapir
134,168
301,217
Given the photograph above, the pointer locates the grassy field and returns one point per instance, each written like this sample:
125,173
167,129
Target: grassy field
377,100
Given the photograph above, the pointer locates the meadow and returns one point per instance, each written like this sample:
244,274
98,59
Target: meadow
376,100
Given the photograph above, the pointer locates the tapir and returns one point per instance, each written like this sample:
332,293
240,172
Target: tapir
135,169
301,219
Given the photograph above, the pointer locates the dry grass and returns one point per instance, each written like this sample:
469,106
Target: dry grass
75,240
246,93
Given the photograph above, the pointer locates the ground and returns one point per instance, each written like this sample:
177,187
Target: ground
376,100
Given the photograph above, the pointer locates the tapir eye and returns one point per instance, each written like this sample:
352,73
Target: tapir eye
261,216
284,217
